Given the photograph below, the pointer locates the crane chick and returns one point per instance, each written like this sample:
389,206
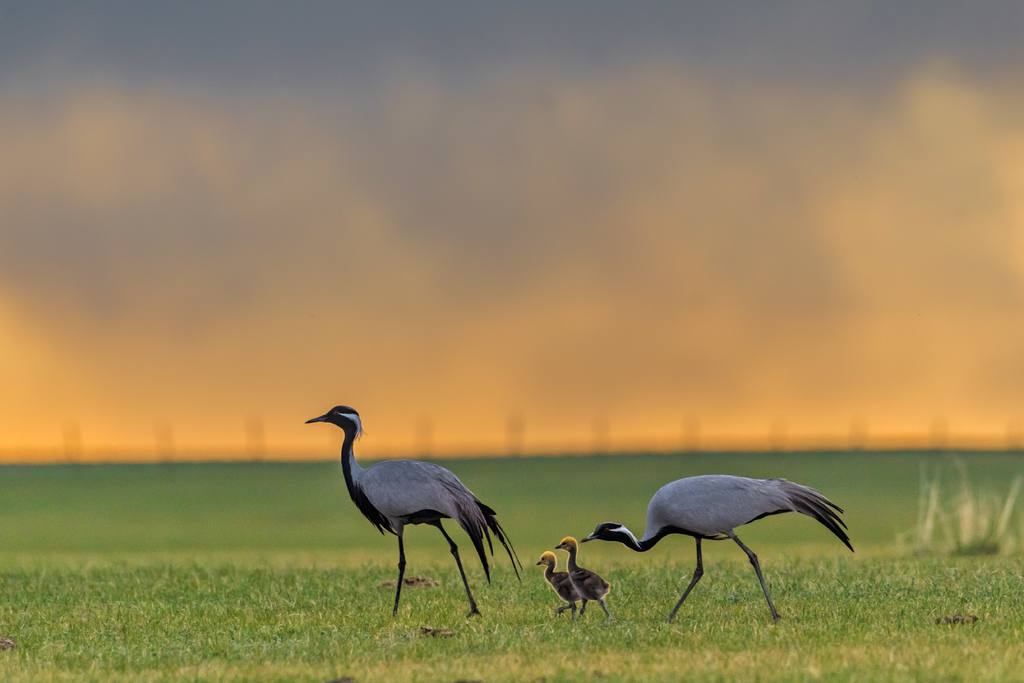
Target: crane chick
589,586
560,583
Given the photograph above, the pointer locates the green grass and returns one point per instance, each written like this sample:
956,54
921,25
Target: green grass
266,572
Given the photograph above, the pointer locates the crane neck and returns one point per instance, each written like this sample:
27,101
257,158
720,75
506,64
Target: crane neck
626,538
353,472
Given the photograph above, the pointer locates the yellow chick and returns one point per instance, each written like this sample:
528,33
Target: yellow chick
589,586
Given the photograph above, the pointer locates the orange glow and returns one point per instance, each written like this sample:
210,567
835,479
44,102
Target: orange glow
675,261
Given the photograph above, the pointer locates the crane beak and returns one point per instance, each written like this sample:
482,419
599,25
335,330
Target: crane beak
322,418
588,538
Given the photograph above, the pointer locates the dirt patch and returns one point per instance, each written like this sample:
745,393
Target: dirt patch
412,582
7,643
957,619
428,631
343,679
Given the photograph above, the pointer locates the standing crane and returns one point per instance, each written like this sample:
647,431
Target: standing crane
394,493
708,507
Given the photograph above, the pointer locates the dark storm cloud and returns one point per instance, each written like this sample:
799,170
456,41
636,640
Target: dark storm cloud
337,46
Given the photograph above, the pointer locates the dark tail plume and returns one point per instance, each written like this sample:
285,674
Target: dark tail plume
502,536
476,534
811,503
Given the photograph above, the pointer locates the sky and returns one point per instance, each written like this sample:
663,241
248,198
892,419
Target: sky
525,227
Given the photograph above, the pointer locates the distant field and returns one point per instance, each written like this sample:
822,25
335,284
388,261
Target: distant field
266,572
276,511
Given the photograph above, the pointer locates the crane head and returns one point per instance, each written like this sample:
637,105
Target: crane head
548,558
343,416
609,531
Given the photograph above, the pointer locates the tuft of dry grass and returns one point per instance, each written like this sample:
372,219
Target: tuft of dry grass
974,521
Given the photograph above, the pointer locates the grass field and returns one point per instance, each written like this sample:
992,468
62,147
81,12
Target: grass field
266,572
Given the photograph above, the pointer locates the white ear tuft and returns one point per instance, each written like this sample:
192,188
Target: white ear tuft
356,420
624,530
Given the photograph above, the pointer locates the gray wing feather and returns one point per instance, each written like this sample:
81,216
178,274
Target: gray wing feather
714,504
402,487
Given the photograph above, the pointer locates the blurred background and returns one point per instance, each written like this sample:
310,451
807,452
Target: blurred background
530,228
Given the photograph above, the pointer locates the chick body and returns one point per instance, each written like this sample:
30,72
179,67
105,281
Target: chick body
589,586
560,583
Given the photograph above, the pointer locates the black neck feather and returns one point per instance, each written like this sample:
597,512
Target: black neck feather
639,546
355,492
347,456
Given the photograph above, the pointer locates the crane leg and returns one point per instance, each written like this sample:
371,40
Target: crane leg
401,573
607,613
473,611
757,568
697,573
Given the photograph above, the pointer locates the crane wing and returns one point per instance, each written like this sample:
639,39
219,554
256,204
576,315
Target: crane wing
403,488
714,504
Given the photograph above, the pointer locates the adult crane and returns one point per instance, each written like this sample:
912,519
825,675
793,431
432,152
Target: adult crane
395,493
709,507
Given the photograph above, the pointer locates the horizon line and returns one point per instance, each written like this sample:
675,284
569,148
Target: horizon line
893,443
